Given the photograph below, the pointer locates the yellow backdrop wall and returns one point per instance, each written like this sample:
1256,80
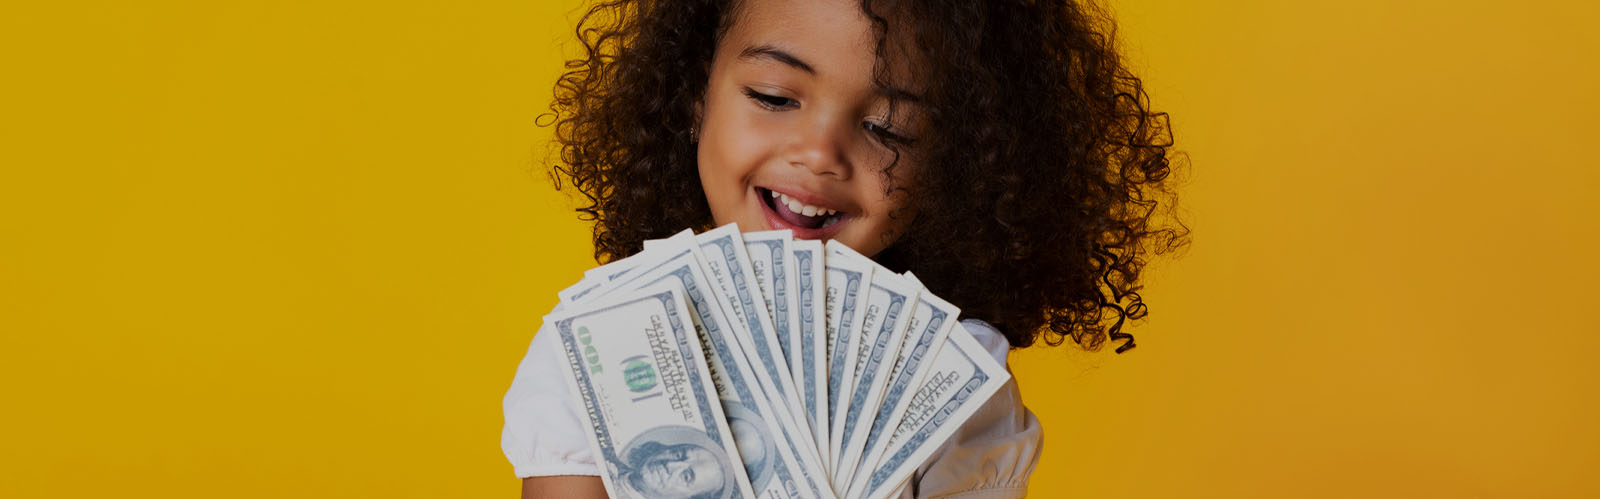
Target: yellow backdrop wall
296,248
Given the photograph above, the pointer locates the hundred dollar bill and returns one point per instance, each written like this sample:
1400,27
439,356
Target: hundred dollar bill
847,282
583,289
931,321
847,342
614,270
777,461
811,375
639,374
773,263
960,379
773,260
728,265
883,329
579,290
598,278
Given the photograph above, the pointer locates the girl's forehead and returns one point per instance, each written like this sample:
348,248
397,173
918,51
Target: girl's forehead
828,39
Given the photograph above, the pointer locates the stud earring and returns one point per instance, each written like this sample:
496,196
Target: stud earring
693,137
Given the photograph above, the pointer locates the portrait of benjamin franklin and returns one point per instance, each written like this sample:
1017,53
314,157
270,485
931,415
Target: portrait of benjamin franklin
676,462
757,449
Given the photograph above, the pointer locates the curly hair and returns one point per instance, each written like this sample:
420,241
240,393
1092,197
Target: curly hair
1029,106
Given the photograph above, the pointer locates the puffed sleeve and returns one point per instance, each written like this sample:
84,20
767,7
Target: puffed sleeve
993,453
543,433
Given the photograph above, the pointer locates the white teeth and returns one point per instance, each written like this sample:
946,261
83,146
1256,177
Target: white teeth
801,208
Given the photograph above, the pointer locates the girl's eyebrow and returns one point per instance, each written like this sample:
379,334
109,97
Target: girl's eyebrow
776,54
898,94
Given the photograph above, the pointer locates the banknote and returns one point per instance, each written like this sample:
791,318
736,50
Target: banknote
883,327
580,290
811,370
779,462
728,265
961,377
932,319
605,276
831,375
857,321
774,266
847,280
616,269
636,355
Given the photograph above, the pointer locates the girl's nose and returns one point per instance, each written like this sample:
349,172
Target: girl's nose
822,148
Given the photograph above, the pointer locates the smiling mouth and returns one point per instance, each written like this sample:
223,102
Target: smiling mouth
794,212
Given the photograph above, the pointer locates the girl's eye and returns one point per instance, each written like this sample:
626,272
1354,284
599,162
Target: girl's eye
771,102
885,134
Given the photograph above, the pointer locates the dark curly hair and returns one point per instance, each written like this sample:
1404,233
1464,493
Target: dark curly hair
1029,107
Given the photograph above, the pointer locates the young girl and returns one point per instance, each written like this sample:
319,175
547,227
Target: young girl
999,149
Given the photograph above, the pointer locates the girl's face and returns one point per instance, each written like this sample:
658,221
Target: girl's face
794,134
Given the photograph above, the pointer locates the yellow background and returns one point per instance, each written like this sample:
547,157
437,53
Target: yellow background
268,249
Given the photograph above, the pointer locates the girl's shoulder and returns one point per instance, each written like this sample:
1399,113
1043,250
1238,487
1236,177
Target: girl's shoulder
993,453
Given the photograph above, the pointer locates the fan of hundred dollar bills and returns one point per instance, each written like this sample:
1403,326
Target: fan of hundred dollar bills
751,365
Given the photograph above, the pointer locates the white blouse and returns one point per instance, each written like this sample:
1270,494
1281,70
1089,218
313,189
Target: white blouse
990,456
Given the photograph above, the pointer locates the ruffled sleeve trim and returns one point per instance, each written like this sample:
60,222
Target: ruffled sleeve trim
543,434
